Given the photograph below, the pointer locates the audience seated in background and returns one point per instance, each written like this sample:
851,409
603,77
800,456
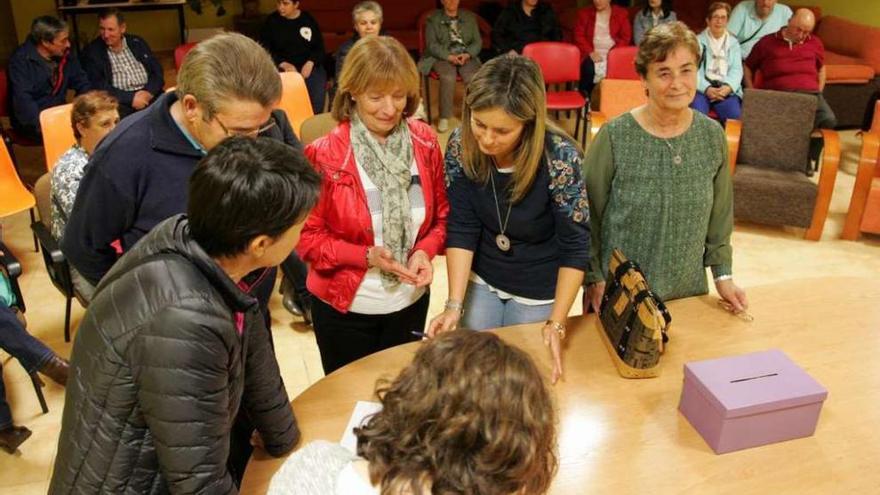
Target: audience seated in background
792,59
598,29
516,251
720,72
751,20
452,48
33,356
122,64
381,218
93,116
656,12
40,72
523,22
470,414
173,344
294,40
634,196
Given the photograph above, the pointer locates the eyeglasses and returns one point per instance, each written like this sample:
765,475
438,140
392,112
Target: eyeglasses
245,132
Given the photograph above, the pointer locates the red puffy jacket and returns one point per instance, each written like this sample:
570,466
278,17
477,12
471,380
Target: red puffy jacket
339,230
585,27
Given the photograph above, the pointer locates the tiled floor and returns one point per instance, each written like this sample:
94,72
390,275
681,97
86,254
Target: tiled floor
761,255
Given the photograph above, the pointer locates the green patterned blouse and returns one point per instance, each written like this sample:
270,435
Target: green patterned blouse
673,219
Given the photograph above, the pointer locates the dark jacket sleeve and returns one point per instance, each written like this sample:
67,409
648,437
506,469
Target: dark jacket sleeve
550,29
265,398
316,45
155,74
22,88
267,37
77,80
180,368
283,131
101,213
463,227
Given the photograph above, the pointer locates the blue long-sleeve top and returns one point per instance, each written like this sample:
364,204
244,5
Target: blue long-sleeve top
734,64
548,228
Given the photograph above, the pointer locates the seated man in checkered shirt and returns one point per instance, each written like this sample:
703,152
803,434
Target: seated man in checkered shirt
122,64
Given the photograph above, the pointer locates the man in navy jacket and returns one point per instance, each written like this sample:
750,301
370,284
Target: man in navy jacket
40,72
122,64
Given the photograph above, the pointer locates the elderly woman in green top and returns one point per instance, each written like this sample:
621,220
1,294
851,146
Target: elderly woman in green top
659,181
452,43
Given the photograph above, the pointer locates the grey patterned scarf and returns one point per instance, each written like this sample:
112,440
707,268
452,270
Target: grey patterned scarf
388,166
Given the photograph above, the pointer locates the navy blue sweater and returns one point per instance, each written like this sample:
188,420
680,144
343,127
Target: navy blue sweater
30,86
548,228
138,176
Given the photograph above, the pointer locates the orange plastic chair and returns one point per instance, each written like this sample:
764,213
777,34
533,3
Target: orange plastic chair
180,53
295,99
864,204
617,96
57,132
14,197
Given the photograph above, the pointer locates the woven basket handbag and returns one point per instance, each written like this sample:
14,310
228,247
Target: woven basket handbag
633,321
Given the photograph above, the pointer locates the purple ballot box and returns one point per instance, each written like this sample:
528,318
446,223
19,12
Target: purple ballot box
744,401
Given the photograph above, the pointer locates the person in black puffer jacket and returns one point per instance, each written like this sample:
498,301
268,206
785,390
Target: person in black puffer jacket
172,344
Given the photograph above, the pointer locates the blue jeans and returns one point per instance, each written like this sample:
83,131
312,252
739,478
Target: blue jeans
30,352
728,108
483,310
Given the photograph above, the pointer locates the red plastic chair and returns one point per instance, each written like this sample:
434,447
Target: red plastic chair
560,64
485,36
622,63
180,53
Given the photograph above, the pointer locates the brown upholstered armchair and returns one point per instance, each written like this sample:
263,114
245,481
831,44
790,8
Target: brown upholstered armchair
768,157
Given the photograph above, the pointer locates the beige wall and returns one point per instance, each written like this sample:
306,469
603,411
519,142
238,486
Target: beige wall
159,28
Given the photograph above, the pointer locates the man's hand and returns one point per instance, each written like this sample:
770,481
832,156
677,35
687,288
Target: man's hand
307,69
287,67
141,99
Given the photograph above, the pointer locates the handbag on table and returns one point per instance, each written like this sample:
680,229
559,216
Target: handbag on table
633,321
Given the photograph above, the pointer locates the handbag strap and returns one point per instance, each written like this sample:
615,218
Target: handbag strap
614,284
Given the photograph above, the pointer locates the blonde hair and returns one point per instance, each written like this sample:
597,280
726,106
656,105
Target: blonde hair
471,414
376,62
87,105
662,40
229,66
513,84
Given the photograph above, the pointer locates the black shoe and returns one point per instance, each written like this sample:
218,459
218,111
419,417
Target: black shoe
305,307
12,437
294,304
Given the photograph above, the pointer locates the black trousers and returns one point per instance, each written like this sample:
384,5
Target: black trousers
295,270
588,72
346,337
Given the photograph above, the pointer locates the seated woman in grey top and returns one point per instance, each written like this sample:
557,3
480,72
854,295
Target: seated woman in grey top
656,12
499,439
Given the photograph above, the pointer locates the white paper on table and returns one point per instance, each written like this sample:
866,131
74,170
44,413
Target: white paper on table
362,410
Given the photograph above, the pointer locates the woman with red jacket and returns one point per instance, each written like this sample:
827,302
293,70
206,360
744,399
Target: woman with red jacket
382,212
599,28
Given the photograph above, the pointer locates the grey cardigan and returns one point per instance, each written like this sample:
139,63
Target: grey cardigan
437,38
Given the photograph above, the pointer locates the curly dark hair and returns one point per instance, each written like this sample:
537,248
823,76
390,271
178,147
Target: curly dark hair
470,415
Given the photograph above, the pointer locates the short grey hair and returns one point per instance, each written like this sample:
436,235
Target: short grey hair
229,65
366,6
46,28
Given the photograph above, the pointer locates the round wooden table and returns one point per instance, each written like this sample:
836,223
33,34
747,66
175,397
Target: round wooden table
626,436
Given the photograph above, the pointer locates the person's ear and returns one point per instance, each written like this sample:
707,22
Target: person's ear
191,108
81,127
259,245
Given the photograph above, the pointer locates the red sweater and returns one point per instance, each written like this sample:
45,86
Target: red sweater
787,67
585,27
339,230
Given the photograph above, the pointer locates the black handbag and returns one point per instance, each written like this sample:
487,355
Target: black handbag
633,321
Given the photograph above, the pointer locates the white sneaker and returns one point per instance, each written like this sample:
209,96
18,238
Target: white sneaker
443,125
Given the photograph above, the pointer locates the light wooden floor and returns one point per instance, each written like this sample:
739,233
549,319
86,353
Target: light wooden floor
761,254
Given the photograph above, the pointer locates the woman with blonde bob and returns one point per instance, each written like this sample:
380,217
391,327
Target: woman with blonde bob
518,231
659,181
498,439
382,213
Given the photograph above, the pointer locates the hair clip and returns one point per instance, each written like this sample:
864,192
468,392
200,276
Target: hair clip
742,314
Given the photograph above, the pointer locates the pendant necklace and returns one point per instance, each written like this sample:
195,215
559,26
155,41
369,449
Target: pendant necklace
676,155
501,240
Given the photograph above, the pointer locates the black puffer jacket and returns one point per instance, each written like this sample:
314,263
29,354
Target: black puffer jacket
158,373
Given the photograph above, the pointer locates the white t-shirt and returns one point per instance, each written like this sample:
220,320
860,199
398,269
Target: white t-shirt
350,482
371,297
602,42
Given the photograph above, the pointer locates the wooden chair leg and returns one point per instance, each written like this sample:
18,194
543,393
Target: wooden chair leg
38,388
868,160
830,161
